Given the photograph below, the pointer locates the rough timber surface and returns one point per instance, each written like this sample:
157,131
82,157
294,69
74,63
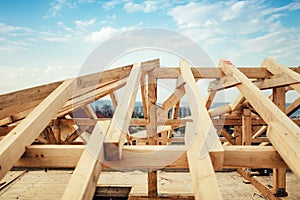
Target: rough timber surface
38,184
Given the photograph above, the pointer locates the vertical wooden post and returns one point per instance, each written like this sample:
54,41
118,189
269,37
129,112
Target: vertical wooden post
238,135
56,131
279,175
246,127
152,128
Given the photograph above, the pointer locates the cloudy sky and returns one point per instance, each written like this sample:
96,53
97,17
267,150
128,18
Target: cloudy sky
49,40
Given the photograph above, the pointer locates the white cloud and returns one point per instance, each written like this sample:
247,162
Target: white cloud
111,4
15,78
101,35
6,29
146,6
237,28
57,5
11,48
294,6
82,24
104,34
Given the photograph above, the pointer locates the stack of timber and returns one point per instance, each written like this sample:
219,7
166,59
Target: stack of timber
39,126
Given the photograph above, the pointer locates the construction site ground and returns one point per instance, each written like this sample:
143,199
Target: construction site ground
50,184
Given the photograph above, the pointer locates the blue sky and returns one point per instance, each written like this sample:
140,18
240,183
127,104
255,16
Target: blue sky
48,40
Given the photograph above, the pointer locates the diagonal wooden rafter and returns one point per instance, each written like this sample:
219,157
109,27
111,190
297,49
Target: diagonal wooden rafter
204,181
19,101
13,145
118,128
282,132
83,182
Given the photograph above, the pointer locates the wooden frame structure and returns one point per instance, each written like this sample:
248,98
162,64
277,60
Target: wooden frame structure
262,133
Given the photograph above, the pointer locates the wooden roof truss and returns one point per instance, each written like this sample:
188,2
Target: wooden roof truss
31,119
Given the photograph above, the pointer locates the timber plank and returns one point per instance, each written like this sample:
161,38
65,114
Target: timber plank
205,185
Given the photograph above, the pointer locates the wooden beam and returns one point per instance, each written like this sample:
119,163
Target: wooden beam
82,184
211,72
173,99
223,83
114,99
13,145
278,80
118,129
162,196
246,128
282,132
279,174
293,107
228,136
276,69
152,114
16,102
205,184
261,187
260,131
209,98
147,157
144,94
219,110
152,127
91,96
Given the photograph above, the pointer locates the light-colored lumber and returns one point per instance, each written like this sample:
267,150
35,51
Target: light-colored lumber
162,196
209,98
173,99
147,157
246,128
16,102
223,83
152,126
256,183
228,136
211,72
293,107
91,96
278,80
82,184
279,174
118,129
152,111
205,185
219,110
260,131
282,132
144,94
13,145
114,99
276,69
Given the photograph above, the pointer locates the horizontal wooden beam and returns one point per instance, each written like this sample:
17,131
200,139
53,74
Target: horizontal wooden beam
210,72
163,196
150,157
